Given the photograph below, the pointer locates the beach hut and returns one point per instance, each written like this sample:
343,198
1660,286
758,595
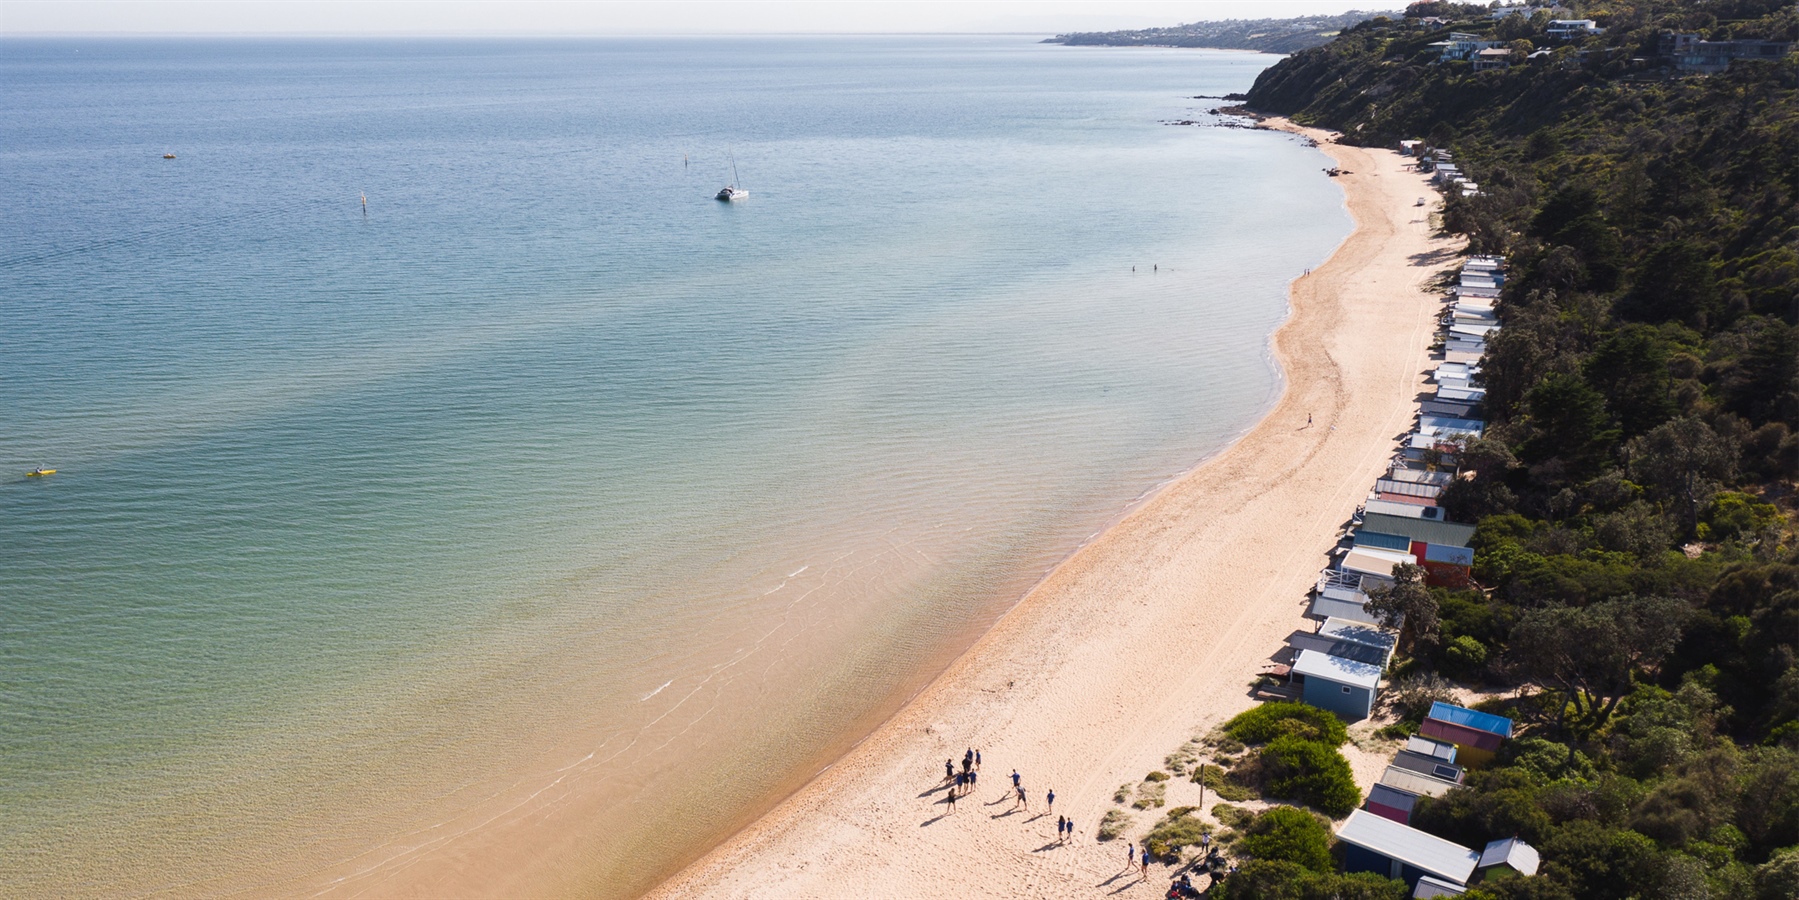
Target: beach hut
1436,887
1349,606
1403,510
1343,686
1391,803
1476,735
1507,858
1375,844
1450,534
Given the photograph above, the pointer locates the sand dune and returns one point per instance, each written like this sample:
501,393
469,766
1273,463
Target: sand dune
1148,635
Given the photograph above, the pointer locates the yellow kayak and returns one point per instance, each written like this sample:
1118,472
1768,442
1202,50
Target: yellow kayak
39,473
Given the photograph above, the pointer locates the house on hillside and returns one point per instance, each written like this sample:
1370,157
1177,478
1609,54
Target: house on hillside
1492,59
1690,54
1375,844
1461,47
1566,29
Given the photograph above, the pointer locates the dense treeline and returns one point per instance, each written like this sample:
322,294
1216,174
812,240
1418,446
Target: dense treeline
1637,571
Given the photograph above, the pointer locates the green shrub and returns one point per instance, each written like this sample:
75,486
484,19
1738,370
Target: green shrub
1177,831
1223,785
1113,824
1272,720
1286,834
1156,776
1231,816
1310,772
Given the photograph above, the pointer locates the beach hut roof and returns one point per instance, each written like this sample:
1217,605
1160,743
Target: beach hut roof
1373,561
1434,856
1359,632
1390,796
1416,782
1479,721
1427,747
1429,887
1314,664
1453,534
1512,852
1303,641
1366,538
1327,607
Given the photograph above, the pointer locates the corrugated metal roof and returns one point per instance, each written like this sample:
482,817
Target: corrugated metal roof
1442,750
1460,735
1423,785
1362,653
1427,765
1448,425
1448,534
1429,887
1332,608
1480,721
1387,795
1360,633
1379,541
1427,852
1512,852
1374,561
1313,664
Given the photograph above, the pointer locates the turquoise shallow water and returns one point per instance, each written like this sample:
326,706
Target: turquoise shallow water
550,470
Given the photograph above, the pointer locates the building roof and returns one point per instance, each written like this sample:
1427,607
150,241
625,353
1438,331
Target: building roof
1416,782
1425,852
1311,640
1380,541
1375,561
1511,852
1427,747
1436,887
1313,664
1428,765
1449,534
1324,607
1446,425
1479,721
1460,735
1359,632
1390,796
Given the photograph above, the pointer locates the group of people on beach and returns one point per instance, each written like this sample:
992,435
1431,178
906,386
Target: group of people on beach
964,781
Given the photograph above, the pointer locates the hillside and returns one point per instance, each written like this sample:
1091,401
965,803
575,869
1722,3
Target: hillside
1265,35
1636,596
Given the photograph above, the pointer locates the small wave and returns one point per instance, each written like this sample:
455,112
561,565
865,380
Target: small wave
656,691
798,570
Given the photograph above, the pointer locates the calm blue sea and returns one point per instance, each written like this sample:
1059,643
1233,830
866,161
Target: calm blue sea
545,471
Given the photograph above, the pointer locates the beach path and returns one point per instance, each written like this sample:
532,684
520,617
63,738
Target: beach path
1148,635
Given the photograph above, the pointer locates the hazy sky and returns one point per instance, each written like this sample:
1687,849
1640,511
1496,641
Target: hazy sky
21,17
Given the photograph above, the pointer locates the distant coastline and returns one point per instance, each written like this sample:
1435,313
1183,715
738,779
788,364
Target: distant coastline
1259,35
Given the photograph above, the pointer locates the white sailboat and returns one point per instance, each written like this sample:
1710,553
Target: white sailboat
731,191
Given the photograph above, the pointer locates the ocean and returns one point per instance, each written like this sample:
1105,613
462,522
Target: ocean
435,453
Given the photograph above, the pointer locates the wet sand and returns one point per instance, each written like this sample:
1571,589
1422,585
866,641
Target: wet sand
1148,635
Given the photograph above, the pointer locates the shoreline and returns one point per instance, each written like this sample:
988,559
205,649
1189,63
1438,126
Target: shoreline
1078,705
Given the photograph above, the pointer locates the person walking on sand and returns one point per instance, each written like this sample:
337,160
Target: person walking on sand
949,769
1145,862
1050,798
1308,420
972,776
1130,856
1021,801
951,800
977,760
1015,778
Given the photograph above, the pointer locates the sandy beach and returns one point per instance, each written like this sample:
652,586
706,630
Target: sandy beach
1148,636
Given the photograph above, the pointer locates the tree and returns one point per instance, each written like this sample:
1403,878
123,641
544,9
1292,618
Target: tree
1682,459
1631,369
1568,421
1675,283
1592,653
1406,603
1286,834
